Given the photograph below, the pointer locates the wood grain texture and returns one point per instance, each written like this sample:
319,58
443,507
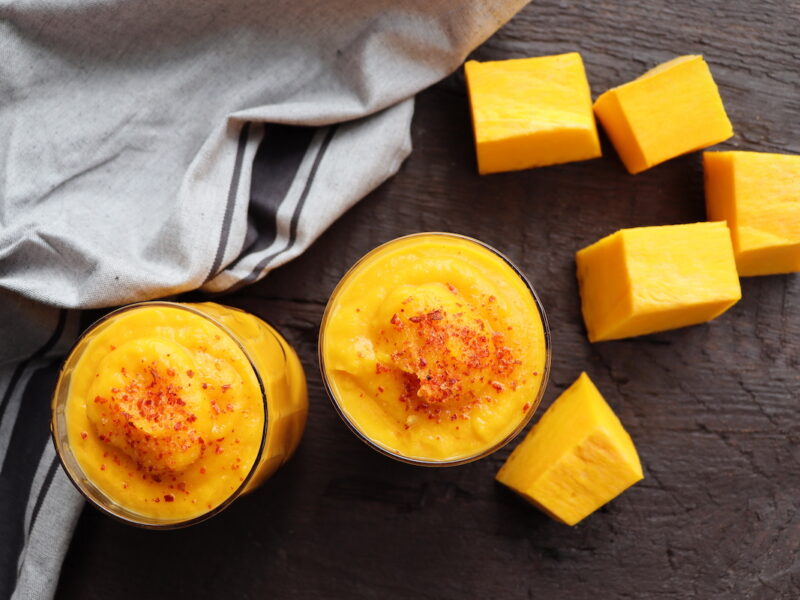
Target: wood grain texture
713,409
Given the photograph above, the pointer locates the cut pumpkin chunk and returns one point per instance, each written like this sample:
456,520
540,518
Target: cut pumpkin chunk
647,279
576,458
672,109
758,194
531,112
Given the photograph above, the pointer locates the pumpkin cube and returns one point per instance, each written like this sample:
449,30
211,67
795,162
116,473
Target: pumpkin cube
758,194
531,112
575,459
647,279
672,109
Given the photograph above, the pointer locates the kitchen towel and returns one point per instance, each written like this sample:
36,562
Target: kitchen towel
150,147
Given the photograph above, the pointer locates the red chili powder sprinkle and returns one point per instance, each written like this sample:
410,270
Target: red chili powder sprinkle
452,288
226,387
151,417
202,470
526,407
84,435
102,467
444,357
395,320
205,386
380,389
379,368
156,499
168,497
190,373
218,450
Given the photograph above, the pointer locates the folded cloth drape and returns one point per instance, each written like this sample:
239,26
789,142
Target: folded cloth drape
149,148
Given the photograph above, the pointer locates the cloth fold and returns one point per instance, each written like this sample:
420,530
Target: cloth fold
155,147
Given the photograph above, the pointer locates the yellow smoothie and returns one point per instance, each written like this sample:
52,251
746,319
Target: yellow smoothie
165,412
435,349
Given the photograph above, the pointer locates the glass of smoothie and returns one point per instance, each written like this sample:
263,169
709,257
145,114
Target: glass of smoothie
165,413
435,349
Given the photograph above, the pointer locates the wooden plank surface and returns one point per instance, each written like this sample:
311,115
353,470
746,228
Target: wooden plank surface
713,409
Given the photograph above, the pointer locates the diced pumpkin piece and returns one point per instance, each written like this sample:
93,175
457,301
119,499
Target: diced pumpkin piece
576,458
531,112
647,279
672,109
758,194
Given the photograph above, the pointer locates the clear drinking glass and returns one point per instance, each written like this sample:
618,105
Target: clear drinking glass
275,406
381,265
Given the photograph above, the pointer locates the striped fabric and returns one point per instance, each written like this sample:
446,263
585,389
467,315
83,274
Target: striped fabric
194,145
36,498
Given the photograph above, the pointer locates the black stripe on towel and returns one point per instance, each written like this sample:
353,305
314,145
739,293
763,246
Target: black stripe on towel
253,275
44,349
48,479
275,167
233,189
31,434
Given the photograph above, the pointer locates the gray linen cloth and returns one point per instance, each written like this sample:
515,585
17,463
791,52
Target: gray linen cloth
153,147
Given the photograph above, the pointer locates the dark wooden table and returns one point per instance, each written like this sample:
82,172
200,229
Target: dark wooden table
713,409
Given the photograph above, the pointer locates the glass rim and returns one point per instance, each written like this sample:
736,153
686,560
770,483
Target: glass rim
80,486
421,461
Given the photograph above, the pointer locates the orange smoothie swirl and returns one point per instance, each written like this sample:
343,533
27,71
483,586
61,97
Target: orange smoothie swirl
165,412
434,349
